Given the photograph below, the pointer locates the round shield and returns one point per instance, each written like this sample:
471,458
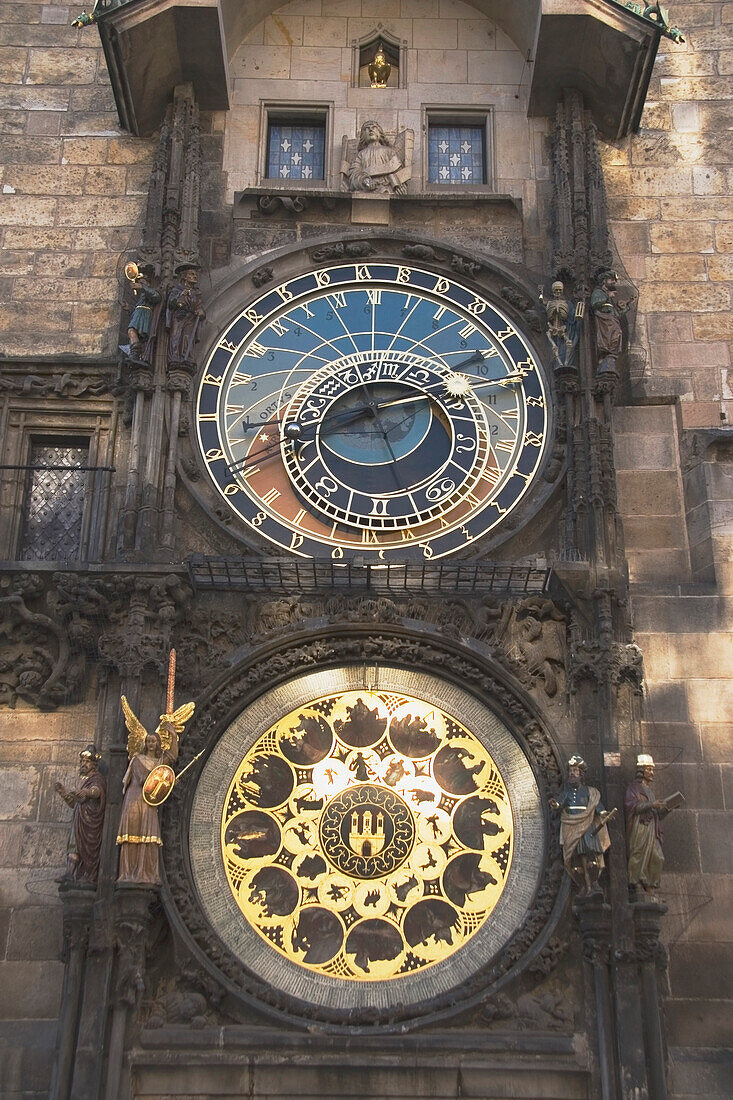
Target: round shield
159,784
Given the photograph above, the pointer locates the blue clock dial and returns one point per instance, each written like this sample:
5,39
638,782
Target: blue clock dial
372,408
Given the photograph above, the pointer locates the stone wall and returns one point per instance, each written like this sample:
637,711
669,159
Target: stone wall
36,750
72,199
72,187
669,190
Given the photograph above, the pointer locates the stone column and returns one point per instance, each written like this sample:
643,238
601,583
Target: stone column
594,921
132,922
77,902
651,955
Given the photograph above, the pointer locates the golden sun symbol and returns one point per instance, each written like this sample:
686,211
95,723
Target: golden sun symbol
457,385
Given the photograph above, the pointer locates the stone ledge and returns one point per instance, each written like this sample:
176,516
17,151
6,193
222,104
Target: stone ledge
267,1041
267,200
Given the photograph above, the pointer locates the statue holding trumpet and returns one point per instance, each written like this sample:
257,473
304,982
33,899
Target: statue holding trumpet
148,781
143,322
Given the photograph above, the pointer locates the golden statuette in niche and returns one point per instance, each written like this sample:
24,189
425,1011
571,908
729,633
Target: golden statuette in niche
367,835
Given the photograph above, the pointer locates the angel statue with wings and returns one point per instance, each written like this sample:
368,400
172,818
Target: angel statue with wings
376,161
139,833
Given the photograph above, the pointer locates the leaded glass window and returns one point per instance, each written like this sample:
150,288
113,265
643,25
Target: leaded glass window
296,150
456,153
54,501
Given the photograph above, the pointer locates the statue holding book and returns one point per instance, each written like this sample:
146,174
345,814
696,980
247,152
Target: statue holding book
644,814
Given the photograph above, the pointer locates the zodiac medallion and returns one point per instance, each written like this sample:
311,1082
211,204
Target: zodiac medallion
367,835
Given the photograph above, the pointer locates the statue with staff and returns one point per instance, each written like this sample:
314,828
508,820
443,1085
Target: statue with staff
148,781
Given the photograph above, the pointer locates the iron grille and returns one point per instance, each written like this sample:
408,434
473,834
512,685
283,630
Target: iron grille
286,575
54,503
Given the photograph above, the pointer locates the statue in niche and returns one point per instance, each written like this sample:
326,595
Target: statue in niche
563,318
644,814
183,316
583,833
377,163
607,312
87,799
143,323
139,836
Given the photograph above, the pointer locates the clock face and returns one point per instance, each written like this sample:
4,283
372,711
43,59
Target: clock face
360,845
372,408
367,835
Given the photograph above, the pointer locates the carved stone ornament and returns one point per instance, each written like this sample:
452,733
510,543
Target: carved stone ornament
526,636
57,384
546,1009
614,663
262,672
46,638
377,162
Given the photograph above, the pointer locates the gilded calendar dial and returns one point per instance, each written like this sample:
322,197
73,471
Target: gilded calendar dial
357,845
372,408
367,835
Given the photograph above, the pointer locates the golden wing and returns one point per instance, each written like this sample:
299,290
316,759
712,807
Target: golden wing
177,719
136,730
181,716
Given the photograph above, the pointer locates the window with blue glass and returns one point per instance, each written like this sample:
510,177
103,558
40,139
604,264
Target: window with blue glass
296,150
456,153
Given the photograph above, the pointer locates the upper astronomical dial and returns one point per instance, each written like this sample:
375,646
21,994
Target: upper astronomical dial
372,408
379,443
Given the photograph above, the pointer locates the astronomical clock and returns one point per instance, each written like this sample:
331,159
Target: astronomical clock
360,845
372,408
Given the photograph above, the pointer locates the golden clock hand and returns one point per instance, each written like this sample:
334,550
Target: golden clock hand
264,453
508,380
403,400
460,384
373,407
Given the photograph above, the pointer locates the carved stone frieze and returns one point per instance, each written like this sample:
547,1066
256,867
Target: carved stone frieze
47,635
597,662
203,648
143,634
547,1009
594,922
463,266
131,927
580,218
171,231
58,384
423,252
548,957
189,999
262,276
265,668
528,637
339,249
52,627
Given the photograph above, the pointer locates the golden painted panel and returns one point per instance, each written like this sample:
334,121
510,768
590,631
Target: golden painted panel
367,835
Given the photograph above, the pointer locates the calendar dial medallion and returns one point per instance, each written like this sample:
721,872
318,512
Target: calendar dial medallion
358,844
373,409
382,850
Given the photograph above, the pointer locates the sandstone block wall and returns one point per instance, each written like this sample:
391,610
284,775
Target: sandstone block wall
72,187
670,192
36,750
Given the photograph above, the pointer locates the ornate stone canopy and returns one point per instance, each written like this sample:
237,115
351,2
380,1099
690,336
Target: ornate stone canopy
153,45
